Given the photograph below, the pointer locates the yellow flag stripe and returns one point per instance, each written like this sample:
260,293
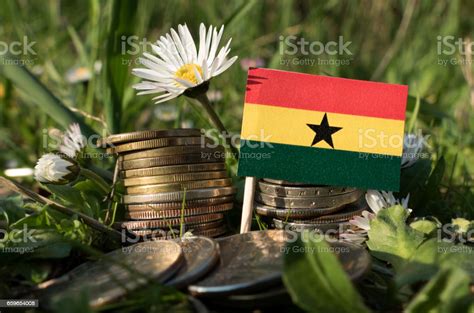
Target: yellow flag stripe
289,126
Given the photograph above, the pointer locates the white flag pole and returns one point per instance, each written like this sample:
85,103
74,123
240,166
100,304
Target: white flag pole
247,207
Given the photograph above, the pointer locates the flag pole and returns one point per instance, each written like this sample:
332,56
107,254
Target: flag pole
247,207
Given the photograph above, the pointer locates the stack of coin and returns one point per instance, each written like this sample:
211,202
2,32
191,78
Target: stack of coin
173,178
300,206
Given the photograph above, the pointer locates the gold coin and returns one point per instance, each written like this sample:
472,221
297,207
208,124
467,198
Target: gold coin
154,214
173,178
158,143
147,134
216,232
173,169
169,160
180,195
197,184
190,204
173,150
188,220
191,228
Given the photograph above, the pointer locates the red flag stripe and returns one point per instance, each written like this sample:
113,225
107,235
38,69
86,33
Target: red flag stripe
326,94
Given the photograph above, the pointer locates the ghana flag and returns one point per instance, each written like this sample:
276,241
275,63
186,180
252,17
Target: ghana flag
322,130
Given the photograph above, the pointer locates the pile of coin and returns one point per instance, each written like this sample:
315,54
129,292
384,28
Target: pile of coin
301,206
173,178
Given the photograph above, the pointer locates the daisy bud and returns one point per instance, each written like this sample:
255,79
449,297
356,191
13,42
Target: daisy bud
56,169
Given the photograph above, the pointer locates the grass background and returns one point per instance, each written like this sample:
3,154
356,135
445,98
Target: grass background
392,41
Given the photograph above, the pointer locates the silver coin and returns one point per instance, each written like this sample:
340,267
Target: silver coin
293,213
119,272
201,254
179,195
314,202
348,212
304,192
286,182
300,226
250,261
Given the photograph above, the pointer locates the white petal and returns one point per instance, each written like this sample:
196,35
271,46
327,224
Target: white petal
171,96
205,70
202,44
184,82
361,222
146,73
190,44
405,201
226,65
179,46
375,200
208,43
389,198
198,76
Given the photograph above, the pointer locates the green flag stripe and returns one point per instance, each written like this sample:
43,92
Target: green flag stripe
319,166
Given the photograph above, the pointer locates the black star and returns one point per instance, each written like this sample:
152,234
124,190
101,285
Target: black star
323,131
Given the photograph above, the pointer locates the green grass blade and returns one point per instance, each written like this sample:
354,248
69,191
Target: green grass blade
41,96
123,23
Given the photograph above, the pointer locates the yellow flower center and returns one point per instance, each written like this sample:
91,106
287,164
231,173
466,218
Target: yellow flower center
186,72
2,91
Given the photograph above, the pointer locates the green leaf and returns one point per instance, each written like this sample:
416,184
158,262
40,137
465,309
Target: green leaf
68,194
316,280
424,226
37,244
41,96
448,291
11,209
122,25
432,255
390,239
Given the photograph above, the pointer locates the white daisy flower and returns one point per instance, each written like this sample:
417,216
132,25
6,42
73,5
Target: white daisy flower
377,201
55,169
412,146
354,236
82,74
179,65
381,200
362,222
73,141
